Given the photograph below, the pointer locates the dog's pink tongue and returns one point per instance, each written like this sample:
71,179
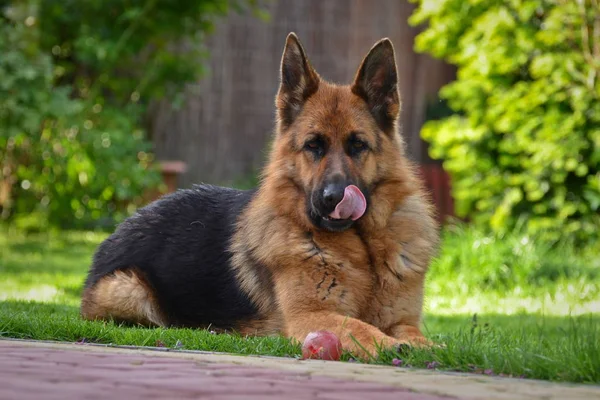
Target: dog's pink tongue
353,205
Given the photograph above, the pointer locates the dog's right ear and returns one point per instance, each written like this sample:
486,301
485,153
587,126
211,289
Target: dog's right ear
298,81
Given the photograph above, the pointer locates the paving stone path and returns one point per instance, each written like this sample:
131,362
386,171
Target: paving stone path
41,370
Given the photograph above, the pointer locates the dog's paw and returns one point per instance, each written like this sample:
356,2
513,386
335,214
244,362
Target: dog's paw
402,348
417,342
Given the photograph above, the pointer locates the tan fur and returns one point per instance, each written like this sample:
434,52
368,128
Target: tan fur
366,283
122,296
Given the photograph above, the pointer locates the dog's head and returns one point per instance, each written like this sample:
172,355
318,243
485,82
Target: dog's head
337,143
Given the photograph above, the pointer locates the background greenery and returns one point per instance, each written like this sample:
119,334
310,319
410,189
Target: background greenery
76,79
523,144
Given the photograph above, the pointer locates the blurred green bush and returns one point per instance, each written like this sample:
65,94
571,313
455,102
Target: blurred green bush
76,78
523,144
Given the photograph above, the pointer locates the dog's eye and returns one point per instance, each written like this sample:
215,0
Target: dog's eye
315,146
356,147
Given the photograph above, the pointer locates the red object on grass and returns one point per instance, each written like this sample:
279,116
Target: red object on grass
322,345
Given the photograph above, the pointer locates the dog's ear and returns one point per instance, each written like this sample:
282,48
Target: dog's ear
377,83
298,81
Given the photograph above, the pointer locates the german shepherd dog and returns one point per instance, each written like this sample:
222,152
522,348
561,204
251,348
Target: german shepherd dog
338,235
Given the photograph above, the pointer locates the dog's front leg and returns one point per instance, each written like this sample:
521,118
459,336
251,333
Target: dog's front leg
356,336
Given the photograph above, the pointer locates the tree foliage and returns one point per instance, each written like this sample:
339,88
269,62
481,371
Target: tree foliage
523,146
76,78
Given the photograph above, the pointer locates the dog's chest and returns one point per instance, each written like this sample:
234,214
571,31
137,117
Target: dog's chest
340,275
394,285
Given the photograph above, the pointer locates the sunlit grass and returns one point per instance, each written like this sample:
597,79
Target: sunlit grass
46,267
478,273
537,307
564,301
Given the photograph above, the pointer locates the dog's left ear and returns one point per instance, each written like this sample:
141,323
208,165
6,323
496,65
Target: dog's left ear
377,83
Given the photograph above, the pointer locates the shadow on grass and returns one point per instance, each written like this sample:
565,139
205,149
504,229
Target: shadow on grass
28,313
43,321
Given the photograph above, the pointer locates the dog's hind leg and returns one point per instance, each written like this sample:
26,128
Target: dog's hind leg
124,295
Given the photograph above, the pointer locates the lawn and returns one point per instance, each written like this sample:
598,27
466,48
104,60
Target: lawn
503,306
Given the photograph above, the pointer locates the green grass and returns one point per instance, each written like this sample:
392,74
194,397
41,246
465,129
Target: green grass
503,306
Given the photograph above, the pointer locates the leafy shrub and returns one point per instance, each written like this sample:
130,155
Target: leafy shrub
523,146
76,79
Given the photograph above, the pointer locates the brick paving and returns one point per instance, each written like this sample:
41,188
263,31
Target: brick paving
50,373
50,370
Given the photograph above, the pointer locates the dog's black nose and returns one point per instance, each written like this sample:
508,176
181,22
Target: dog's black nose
333,193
